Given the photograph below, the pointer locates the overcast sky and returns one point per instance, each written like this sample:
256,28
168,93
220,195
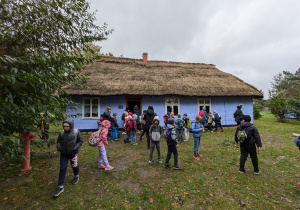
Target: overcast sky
253,40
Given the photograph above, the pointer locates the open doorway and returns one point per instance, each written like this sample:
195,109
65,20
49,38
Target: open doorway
131,101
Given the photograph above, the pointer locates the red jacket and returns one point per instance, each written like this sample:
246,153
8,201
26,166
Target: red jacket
134,125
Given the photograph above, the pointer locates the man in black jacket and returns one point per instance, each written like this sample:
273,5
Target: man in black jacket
248,145
68,142
148,117
238,115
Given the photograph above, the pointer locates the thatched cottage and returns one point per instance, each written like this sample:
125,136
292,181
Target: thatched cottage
168,86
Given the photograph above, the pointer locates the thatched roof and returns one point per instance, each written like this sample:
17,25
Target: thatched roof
125,76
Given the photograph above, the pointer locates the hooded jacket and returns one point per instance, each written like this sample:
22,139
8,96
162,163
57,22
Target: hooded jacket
195,128
67,143
252,134
148,117
155,131
107,116
103,134
238,115
173,134
136,111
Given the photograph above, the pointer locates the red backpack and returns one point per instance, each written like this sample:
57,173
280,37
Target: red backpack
201,114
130,124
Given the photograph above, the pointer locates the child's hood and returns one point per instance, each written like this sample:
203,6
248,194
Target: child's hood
156,118
70,121
170,126
106,124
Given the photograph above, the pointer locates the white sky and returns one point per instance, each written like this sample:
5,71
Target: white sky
253,40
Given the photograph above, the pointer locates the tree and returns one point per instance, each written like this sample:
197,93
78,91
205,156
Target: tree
39,53
284,95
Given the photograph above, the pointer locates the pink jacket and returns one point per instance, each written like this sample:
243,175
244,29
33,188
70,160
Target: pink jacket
134,125
103,135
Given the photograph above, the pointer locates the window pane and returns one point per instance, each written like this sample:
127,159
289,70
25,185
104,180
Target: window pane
95,102
206,101
87,110
175,110
201,101
87,101
207,109
169,109
95,111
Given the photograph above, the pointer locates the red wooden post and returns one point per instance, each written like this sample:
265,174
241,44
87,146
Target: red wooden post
26,163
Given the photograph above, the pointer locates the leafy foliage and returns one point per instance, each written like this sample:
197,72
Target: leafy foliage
285,94
41,49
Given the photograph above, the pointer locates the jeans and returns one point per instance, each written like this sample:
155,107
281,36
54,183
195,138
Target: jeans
245,150
133,140
114,133
102,156
172,149
196,144
186,134
64,158
179,133
153,144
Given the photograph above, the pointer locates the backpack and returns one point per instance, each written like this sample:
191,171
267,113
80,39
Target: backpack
242,135
130,124
180,123
191,128
217,117
168,135
201,114
95,138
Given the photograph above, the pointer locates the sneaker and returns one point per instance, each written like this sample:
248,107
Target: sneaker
101,166
257,173
58,192
199,155
196,157
177,168
222,130
140,139
159,161
76,179
167,166
212,131
186,140
108,168
124,133
135,144
242,171
150,161
116,139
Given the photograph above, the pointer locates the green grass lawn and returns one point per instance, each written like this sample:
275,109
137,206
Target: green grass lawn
211,183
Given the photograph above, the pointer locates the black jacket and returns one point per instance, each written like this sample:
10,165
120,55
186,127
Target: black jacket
252,134
136,111
148,117
107,116
67,143
238,115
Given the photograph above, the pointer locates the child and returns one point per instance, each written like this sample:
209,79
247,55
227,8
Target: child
187,122
68,142
248,146
170,135
131,128
217,118
179,128
209,122
197,129
124,118
103,142
156,132
166,117
114,127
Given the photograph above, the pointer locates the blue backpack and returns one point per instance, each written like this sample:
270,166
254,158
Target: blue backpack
168,135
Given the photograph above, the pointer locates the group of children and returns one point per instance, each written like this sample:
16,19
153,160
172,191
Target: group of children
70,140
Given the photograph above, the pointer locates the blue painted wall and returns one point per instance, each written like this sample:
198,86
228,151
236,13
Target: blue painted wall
225,106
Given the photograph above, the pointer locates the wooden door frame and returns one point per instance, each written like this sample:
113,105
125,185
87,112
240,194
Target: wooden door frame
138,97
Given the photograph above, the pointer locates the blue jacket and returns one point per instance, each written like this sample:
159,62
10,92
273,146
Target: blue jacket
195,128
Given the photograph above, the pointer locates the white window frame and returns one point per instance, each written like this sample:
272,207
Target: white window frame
91,107
203,104
172,104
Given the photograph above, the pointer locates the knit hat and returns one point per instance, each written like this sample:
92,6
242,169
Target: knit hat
156,118
215,111
66,125
247,118
129,113
172,114
171,121
185,114
129,117
179,115
134,116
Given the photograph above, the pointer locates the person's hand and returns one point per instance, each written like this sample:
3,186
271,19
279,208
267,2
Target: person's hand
201,129
258,148
177,145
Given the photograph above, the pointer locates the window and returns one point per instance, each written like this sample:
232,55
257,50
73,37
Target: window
90,108
204,102
172,105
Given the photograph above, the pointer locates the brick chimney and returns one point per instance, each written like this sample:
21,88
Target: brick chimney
145,58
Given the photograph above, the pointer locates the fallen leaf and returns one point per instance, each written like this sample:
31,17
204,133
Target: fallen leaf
81,203
151,200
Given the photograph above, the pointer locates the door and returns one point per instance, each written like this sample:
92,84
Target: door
131,101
